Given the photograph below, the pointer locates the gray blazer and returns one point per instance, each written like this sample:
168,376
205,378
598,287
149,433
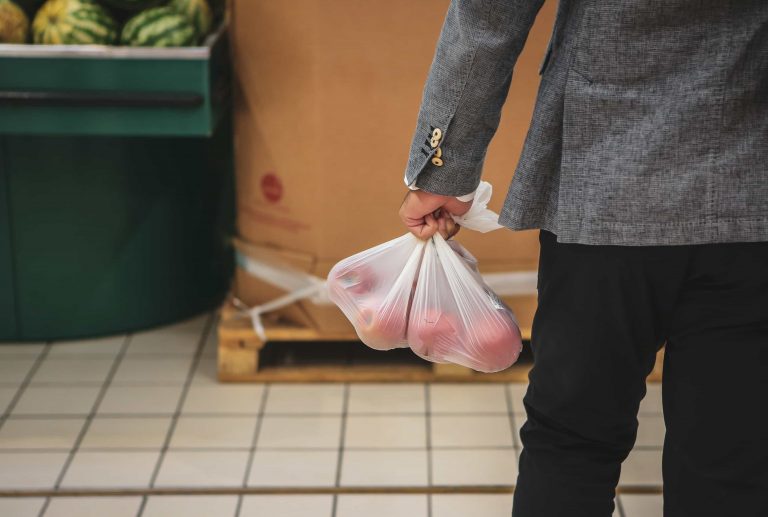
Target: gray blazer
650,126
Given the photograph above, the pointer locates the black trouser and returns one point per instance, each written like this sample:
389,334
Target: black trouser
603,313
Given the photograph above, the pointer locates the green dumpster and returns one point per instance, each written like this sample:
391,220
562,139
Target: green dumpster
116,187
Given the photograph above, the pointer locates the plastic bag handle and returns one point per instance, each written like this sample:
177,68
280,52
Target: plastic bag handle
479,217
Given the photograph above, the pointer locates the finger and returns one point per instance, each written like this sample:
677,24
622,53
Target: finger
455,230
429,228
442,225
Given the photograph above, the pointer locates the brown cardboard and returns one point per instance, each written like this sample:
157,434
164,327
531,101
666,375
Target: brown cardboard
325,110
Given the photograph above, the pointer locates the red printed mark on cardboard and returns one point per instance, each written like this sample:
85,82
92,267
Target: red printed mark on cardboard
272,187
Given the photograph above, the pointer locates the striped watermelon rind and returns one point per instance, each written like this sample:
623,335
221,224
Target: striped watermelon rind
14,24
198,11
74,22
159,27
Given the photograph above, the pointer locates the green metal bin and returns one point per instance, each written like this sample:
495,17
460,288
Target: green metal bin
116,187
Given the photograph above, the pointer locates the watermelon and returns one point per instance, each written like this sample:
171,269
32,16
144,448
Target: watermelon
74,22
14,24
159,27
132,5
198,11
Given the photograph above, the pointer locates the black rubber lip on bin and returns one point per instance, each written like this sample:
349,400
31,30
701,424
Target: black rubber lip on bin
91,99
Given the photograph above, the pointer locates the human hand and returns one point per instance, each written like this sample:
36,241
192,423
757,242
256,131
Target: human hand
425,214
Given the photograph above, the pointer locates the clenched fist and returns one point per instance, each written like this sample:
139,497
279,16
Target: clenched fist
425,214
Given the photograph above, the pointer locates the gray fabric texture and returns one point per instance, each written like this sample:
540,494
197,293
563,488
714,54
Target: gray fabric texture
650,125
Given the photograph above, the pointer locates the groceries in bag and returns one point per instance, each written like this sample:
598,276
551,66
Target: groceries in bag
455,317
429,295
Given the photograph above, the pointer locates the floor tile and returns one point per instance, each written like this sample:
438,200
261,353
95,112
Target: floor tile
59,433
104,346
141,400
160,369
191,506
180,338
636,505
386,431
467,398
377,505
223,398
114,469
652,401
6,395
93,506
519,419
471,431
21,506
386,398
78,369
517,392
57,400
464,505
384,468
126,433
474,466
202,468
225,432
293,468
206,373
14,369
299,431
651,431
30,469
642,467
286,506
7,350
305,398
211,345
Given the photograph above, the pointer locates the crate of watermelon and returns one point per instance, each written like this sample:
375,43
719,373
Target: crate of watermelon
113,67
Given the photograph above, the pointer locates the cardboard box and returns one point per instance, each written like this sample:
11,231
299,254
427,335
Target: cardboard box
326,102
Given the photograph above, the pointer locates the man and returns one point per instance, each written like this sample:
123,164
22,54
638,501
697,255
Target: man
645,167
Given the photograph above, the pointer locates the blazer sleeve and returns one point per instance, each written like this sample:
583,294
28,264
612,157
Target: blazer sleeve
465,90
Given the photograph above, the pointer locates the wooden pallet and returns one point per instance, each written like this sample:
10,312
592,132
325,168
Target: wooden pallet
240,350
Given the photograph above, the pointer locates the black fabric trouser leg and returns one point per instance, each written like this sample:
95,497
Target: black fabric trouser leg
603,313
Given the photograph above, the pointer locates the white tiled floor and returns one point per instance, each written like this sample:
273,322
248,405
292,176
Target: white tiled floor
145,411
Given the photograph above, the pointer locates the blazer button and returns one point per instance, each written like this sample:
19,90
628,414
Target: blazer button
437,161
438,152
434,141
437,133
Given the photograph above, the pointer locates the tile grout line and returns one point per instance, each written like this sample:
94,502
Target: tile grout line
342,438
116,361
207,329
428,420
279,449
620,506
22,387
254,443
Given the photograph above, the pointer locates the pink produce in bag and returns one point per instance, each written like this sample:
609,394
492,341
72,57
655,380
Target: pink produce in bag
373,289
454,315
429,295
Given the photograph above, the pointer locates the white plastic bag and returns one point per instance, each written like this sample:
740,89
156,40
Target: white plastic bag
429,295
455,317
374,287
